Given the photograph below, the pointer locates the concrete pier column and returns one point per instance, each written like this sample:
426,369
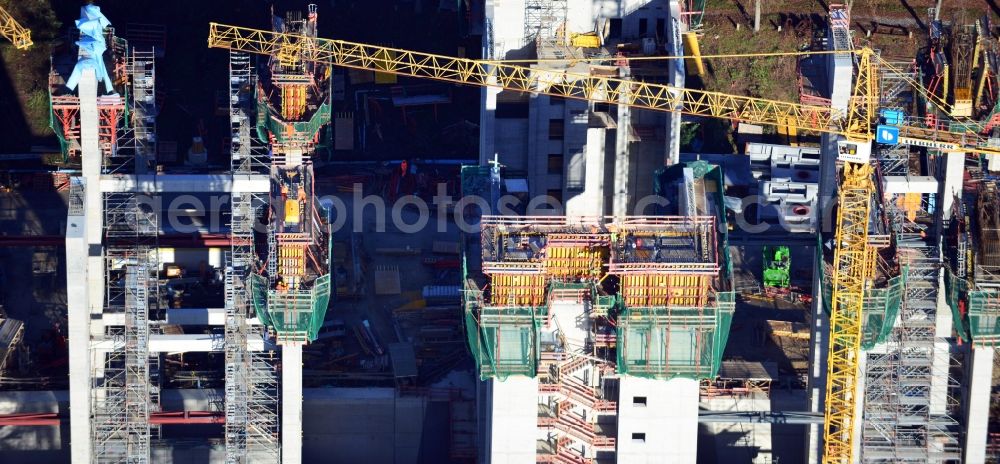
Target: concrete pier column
84,272
954,174
859,403
512,420
977,405
291,404
78,320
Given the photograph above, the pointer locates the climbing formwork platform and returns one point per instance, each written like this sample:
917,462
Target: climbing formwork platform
293,315
665,341
503,338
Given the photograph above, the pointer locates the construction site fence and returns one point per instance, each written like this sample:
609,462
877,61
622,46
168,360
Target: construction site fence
294,315
665,342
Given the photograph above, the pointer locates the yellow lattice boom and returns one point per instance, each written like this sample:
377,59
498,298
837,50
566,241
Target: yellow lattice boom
556,82
14,31
595,87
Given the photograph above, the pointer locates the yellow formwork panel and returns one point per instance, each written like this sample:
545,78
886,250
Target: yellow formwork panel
293,101
517,289
679,290
574,261
586,40
292,211
291,261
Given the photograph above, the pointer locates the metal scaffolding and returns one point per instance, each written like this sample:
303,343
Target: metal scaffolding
251,384
895,84
127,393
144,108
543,19
133,148
909,391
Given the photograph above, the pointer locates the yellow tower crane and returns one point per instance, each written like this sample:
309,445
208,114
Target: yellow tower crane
853,255
14,31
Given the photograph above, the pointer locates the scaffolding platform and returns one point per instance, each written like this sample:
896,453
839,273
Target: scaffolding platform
503,339
295,315
666,342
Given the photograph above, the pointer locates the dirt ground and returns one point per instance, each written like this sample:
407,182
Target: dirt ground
897,28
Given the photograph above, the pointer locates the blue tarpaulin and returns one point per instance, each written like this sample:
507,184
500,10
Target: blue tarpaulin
92,46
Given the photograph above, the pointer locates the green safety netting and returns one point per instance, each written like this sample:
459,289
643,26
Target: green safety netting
984,317
604,303
303,131
503,340
57,127
881,307
697,9
955,287
293,315
663,343
476,181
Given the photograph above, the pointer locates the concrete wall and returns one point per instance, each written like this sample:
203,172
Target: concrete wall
507,18
669,421
78,322
977,403
753,442
357,425
739,441
574,323
524,143
512,417
675,77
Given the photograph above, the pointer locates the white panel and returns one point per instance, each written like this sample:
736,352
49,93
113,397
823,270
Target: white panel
514,420
185,183
669,421
291,404
978,405
185,343
78,320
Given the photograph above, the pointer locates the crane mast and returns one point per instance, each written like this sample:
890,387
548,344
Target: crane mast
853,267
14,31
